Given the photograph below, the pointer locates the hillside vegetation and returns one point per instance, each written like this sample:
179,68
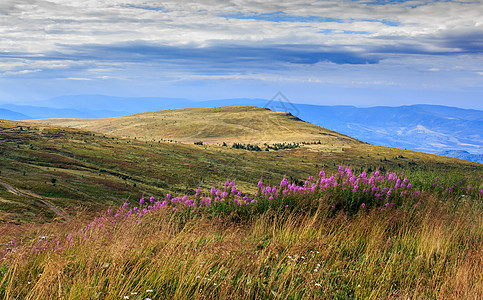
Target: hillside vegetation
76,170
88,215
213,125
340,235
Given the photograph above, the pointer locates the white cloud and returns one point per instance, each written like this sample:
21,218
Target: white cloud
104,40
76,78
38,25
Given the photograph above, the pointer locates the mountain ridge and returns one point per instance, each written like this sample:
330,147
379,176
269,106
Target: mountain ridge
8,114
420,127
75,169
461,154
243,124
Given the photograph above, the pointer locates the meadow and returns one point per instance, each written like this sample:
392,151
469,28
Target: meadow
77,170
337,235
200,214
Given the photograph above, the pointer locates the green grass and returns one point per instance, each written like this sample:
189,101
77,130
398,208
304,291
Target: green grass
307,250
94,171
429,251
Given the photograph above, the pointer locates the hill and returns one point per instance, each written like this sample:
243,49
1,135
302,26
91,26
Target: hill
378,222
212,125
79,170
427,128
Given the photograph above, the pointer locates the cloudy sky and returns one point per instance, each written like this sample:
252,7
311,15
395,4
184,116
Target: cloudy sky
362,53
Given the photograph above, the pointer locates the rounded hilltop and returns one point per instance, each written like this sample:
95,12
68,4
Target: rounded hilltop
212,125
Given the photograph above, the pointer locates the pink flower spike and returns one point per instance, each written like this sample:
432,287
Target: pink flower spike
363,205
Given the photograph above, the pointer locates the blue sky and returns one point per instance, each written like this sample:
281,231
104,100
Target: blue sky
361,53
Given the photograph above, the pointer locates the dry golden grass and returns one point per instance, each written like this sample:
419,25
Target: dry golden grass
432,251
211,125
94,171
425,253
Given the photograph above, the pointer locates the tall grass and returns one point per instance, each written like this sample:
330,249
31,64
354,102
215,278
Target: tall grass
298,245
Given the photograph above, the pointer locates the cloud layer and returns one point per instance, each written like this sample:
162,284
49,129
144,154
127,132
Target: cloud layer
410,44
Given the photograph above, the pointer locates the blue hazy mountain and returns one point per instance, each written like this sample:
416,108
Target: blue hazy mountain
7,114
461,154
426,128
39,112
94,106
125,105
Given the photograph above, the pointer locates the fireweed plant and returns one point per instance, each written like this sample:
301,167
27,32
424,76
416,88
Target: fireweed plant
343,196
343,192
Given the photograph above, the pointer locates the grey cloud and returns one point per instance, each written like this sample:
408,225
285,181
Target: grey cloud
190,34
222,54
467,40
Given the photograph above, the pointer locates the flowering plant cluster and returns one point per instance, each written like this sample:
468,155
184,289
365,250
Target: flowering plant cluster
343,191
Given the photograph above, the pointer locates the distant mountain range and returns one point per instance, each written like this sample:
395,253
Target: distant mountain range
7,114
461,154
427,128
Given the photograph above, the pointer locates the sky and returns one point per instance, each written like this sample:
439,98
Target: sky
362,53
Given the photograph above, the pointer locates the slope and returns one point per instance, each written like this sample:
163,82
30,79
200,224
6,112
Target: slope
79,171
12,115
212,125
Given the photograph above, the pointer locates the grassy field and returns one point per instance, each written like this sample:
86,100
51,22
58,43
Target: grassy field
339,235
399,224
243,124
77,170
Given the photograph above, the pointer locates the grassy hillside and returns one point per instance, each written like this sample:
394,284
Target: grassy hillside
75,170
390,224
243,124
